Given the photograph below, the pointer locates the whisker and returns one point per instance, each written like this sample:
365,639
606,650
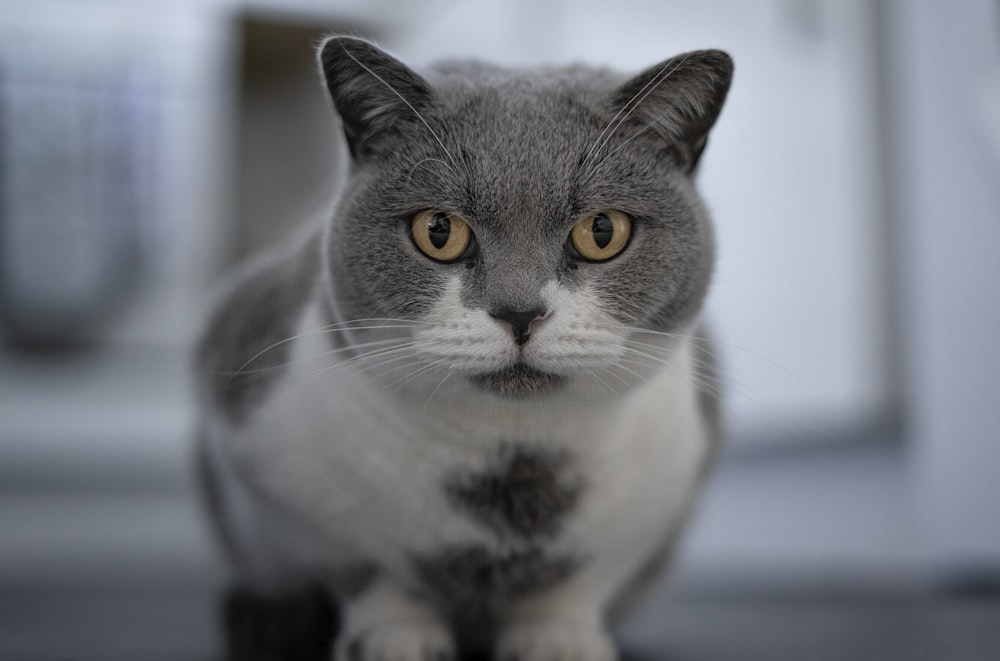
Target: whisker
359,328
383,361
667,359
415,373
712,386
408,359
607,386
621,110
405,349
728,345
447,376
715,386
305,359
271,347
632,372
329,328
379,353
399,320
617,376
645,359
633,103
625,143
409,177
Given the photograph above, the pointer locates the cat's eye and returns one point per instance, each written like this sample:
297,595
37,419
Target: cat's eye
441,236
601,236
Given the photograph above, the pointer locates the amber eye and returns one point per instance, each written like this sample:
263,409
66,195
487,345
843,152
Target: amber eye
601,236
441,236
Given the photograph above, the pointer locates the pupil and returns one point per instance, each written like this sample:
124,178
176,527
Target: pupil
439,229
602,229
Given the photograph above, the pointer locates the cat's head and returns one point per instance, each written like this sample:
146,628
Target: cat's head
526,224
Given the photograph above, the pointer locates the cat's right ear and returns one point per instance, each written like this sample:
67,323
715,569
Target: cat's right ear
371,90
679,99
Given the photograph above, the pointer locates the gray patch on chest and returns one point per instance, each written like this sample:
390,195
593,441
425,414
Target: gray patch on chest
245,350
474,575
527,494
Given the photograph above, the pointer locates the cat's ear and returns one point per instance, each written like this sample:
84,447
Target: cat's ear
680,99
371,90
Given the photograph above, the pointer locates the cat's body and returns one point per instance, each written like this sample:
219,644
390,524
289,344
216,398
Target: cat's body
497,443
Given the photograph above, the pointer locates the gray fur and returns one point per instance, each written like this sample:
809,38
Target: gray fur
212,500
709,385
478,576
244,352
528,494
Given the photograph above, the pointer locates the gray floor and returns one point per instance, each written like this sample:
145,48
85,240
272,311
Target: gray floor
177,621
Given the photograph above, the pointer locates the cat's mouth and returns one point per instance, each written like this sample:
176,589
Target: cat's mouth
517,381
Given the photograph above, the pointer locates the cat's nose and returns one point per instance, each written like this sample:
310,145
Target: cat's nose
520,322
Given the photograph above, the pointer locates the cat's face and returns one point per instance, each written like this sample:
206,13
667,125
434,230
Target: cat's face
526,225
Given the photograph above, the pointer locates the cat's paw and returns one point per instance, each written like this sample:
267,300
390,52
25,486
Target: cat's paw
556,641
401,641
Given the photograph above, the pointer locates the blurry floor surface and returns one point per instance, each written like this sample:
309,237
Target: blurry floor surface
175,620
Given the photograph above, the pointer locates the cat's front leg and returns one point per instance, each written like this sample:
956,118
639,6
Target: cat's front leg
385,623
565,624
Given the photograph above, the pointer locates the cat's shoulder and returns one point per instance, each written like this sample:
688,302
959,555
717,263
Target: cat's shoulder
244,346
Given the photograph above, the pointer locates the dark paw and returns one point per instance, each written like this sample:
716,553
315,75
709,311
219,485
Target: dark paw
295,626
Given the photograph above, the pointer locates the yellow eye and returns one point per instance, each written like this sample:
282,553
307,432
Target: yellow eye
601,236
442,237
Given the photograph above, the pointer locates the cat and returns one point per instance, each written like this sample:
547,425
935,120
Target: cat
473,402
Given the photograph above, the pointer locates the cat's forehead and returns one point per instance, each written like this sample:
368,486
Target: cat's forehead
498,112
514,148
458,77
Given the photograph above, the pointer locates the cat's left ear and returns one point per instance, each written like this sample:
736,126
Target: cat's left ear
371,90
680,99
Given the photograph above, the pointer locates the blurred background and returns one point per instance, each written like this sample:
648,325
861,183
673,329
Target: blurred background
146,146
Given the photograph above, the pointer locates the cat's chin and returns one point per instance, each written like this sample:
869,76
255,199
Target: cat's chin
518,381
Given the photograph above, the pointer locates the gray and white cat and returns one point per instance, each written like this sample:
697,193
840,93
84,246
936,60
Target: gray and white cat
471,403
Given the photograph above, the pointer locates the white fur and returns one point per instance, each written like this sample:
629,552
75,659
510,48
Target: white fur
345,460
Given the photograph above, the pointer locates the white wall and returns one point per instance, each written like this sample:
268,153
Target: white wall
791,172
181,55
945,89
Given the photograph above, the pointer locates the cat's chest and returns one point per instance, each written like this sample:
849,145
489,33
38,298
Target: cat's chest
348,449
362,470
400,480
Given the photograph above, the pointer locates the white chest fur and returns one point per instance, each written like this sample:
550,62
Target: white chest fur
355,472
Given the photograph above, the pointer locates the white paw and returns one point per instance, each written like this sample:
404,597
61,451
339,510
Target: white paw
398,641
556,641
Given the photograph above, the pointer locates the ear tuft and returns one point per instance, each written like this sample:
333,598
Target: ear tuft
370,89
679,98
